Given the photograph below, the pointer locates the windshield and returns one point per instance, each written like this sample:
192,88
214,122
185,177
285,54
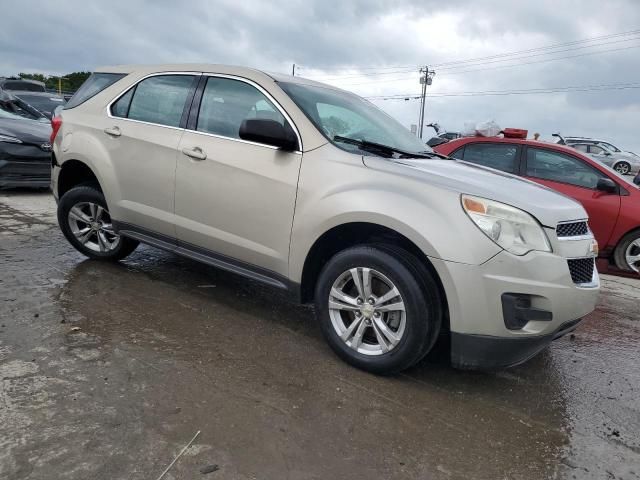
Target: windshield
338,113
609,147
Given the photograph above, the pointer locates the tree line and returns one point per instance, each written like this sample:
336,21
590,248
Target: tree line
70,82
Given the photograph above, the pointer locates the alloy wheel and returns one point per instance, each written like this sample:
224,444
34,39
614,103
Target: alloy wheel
367,311
91,225
632,255
622,168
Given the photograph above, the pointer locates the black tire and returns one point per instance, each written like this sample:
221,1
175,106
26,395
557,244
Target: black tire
623,168
619,255
418,289
90,194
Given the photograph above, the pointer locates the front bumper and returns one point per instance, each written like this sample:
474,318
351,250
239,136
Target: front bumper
24,166
472,352
481,334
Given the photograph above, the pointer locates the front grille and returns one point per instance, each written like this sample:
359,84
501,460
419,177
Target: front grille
581,269
573,229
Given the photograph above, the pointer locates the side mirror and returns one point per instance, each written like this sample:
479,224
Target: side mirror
269,132
608,154
607,185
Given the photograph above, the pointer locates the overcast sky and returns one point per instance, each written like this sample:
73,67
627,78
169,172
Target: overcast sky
333,41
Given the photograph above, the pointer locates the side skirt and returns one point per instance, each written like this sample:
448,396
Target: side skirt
208,257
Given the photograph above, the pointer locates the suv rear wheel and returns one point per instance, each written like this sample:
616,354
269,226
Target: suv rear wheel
377,308
627,253
84,219
623,168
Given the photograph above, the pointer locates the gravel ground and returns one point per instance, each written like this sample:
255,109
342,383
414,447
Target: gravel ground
108,370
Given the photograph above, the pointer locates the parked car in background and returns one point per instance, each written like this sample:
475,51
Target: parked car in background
44,102
25,152
21,84
613,203
562,140
622,162
12,104
314,190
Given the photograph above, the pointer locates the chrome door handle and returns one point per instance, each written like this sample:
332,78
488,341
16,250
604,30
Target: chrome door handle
113,131
196,153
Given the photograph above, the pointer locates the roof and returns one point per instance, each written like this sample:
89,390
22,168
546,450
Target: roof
451,145
246,72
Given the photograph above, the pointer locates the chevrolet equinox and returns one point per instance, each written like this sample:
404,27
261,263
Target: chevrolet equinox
312,189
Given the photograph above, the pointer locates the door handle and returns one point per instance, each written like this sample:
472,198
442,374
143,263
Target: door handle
196,153
113,131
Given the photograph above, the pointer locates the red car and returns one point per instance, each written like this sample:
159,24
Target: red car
612,202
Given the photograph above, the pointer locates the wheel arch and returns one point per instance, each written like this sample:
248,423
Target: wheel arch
350,234
73,173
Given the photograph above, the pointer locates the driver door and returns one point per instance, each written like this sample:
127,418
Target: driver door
577,179
235,199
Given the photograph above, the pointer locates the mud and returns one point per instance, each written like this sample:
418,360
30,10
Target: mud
108,371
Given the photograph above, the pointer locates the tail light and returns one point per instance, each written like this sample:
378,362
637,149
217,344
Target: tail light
56,123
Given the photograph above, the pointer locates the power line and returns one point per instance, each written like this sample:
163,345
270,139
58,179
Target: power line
566,89
541,61
548,47
399,68
539,54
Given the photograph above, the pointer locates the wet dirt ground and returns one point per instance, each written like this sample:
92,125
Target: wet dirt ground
107,371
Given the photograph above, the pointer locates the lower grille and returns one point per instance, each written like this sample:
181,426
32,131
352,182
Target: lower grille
582,269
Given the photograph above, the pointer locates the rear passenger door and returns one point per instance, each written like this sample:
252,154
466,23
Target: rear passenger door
501,156
235,199
141,136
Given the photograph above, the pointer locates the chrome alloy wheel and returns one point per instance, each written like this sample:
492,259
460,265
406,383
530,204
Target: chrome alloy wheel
632,255
367,311
622,168
91,225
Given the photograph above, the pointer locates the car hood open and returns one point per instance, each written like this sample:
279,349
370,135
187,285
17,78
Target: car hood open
548,206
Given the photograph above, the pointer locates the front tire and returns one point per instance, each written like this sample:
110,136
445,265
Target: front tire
84,219
377,310
627,253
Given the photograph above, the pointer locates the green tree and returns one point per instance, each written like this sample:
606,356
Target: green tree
70,81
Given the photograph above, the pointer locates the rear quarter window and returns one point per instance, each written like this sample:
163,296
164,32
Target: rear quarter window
92,86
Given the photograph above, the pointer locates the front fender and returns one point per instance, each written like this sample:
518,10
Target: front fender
347,191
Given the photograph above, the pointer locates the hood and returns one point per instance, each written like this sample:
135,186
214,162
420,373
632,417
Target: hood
547,206
29,131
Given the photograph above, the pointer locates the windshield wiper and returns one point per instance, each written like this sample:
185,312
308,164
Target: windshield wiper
385,149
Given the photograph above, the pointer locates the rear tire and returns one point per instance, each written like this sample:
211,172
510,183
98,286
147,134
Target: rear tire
623,168
384,327
84,219
627,254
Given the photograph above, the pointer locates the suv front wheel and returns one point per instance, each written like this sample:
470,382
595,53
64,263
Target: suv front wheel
379,308
84,219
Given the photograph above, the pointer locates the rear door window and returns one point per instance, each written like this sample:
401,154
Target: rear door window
159,99
501,156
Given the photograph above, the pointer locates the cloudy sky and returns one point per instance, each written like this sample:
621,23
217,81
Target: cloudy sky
371,47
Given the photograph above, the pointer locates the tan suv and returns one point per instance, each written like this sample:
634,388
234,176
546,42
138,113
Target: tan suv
314,190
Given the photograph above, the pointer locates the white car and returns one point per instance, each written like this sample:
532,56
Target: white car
622,162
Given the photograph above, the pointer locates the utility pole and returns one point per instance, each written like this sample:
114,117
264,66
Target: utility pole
293,70
426,78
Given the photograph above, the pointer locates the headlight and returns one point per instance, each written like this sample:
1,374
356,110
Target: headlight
8,139
511,228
